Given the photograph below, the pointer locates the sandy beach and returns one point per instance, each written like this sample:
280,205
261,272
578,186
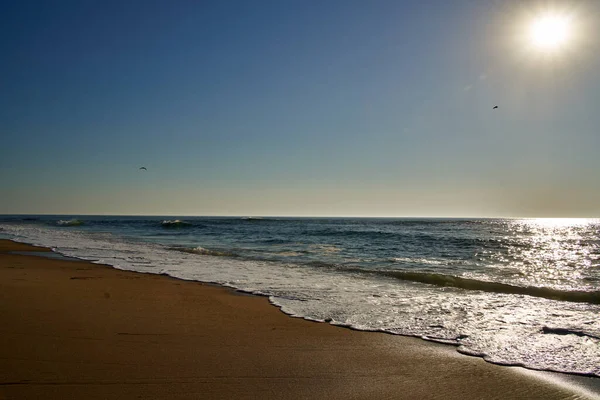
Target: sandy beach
72,329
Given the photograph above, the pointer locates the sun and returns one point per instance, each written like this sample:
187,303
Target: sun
550,32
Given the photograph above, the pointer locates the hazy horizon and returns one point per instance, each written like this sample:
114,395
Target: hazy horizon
278,108
412,217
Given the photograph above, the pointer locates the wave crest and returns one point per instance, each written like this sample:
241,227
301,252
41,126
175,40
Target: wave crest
175,223
204,252
494,287
442,280
70,222
411,260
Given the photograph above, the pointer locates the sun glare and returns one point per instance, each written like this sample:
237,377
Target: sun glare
560,222
550,32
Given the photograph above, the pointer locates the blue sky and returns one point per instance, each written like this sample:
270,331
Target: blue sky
342,108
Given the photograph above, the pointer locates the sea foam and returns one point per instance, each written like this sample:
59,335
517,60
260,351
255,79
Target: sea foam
176,223
70,222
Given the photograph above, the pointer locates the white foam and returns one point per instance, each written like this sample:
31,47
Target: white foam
70,222
421,261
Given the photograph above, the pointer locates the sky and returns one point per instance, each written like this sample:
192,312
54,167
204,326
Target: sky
298,108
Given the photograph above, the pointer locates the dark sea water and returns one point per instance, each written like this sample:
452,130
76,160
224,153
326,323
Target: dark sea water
514,291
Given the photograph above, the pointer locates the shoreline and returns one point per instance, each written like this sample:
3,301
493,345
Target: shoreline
88,330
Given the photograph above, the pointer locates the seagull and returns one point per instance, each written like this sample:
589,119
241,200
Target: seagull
144,168
494,107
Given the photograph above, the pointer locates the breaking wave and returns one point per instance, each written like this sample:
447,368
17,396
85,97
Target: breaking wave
436,279
70,222
421,261
204,252
176,223
592,297
442,280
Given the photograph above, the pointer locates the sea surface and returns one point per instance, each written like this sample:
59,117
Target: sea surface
522,292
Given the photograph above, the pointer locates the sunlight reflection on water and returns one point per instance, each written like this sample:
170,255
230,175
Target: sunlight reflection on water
562,253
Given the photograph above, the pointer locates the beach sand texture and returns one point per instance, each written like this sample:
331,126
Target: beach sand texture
72,329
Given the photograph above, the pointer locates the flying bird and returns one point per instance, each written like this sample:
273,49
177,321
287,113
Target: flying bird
495,107
144,168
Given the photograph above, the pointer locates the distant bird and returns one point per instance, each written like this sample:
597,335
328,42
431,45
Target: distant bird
144,168
494,107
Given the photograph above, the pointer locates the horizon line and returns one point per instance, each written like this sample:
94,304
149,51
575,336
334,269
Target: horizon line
293,216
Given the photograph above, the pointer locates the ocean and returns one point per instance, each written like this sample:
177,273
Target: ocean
522,292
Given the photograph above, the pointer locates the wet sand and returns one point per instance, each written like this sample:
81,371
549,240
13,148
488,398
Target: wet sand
72,329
